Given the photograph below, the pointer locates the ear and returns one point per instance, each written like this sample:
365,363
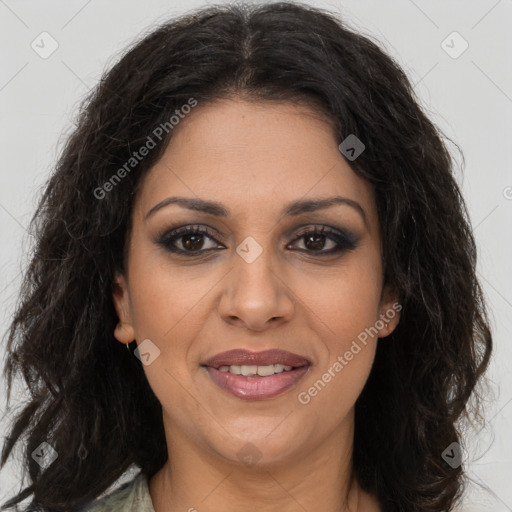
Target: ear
389,312
124,331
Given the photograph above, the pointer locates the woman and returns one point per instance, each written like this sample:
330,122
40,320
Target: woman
256,206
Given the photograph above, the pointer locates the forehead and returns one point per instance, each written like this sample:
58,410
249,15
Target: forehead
251,156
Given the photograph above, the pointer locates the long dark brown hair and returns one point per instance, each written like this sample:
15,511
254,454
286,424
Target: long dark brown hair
89,397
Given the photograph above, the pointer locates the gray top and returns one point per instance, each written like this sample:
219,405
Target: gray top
131,496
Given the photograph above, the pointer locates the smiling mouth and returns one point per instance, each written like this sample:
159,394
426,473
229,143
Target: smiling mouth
256,375
257,371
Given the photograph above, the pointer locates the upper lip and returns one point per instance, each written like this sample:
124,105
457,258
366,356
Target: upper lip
241,357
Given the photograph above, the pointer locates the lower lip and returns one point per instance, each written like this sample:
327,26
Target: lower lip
256,388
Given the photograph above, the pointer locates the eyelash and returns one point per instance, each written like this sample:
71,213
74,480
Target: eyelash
345,241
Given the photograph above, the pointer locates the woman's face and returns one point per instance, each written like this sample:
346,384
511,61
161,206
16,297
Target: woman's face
259,279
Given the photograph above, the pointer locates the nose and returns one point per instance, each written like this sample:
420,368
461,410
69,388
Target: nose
256,294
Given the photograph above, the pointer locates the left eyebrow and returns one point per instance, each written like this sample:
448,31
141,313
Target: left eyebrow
311,205
292,210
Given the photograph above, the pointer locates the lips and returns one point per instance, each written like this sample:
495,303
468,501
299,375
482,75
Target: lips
239,357
256,387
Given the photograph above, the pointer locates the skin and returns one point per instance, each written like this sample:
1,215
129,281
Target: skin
254,158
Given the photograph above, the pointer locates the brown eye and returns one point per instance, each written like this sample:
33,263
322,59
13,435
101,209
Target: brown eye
315,241
192,242
188,240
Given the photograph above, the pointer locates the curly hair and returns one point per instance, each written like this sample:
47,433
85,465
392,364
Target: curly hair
89,397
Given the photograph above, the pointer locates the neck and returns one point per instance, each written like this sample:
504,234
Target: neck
195,478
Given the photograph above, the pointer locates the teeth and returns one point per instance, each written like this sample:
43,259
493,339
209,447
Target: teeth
248,371
251,370
265,371
237,370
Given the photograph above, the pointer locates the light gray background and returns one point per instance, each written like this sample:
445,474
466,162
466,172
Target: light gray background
469,98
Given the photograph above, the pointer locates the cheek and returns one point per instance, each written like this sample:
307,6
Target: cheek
345,299
334,389
164,295
343,311
168,308
345,326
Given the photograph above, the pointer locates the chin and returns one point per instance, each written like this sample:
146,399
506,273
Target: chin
260,450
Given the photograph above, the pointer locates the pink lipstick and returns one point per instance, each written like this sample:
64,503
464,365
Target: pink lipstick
256,375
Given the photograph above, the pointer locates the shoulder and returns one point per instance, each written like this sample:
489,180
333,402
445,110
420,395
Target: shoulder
132,495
